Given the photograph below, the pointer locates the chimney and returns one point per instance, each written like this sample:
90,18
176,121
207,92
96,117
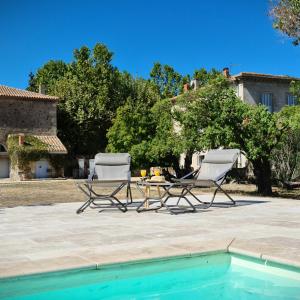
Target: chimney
186,87
42,89
194,84
21,139
226,72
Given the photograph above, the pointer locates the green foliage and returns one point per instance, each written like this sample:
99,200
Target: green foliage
134,125
286,14
295,89
286,158
91,90
32,150
166,144
213,116
196,110
203,76
47,76
167,80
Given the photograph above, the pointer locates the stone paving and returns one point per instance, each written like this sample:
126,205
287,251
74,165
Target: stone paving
44,238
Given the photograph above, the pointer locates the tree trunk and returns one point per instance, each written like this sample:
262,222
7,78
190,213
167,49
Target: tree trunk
262,172
175,165
188,162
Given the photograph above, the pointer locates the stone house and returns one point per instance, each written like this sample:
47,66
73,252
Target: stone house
25,114
273,91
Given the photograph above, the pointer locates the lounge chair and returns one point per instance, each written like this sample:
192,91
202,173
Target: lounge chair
111,170
212,173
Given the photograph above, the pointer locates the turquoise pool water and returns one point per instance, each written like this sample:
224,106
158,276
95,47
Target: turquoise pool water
218,276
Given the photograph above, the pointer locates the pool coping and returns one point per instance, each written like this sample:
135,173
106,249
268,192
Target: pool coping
229,249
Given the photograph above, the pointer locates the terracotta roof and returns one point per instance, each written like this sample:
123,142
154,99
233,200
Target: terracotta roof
9,92
53,142
262,76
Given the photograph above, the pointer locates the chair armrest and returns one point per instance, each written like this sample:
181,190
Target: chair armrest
189,174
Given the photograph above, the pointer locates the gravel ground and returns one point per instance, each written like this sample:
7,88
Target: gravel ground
45,192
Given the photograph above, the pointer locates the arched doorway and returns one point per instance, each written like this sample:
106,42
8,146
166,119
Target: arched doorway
4,162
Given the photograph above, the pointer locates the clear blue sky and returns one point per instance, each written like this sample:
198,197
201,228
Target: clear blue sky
184,34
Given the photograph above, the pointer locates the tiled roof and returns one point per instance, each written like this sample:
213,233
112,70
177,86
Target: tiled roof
9,92
53,142
263,76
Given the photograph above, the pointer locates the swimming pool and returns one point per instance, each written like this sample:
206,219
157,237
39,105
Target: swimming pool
216,276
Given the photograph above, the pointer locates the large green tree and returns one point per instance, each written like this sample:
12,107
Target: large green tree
91,89
134,125
286,15
213,116
47,76
286,158
148,129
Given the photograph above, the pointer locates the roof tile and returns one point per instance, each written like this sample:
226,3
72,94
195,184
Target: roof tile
53,143
9,92
263,76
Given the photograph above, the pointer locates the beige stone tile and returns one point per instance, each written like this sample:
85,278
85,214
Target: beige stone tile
37,239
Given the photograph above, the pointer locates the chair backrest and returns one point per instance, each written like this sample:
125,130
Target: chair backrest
217,163
112,166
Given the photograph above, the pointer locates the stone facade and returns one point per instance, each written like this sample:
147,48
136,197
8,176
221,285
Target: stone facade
251,87
26,113
26,116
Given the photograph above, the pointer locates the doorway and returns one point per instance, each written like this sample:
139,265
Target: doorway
41,169
4,167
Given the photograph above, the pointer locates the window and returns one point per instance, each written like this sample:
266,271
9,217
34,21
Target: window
291,100
267,100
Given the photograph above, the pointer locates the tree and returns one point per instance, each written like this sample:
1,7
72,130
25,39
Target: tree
90,89
203,76
166,145
144,128
213,116
286,158
47,76
90,96
134,125
286,15
167,80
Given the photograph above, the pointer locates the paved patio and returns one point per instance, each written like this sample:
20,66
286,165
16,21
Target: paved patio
44,238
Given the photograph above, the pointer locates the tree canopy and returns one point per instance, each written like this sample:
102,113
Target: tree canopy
168,81
91,89
134,125
102,109
213,116
286,157
286,15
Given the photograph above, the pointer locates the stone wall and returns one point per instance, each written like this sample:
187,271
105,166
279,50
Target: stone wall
252,91
17,174
27,116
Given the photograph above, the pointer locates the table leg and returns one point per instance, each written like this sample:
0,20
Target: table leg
158,191
147,193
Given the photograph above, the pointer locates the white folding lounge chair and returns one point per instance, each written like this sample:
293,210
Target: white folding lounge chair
212,173
111,170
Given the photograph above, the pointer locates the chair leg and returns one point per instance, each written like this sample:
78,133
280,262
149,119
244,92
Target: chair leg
218,187
119,204
233,202
212,199
84,206
93,196
128,194
191,205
